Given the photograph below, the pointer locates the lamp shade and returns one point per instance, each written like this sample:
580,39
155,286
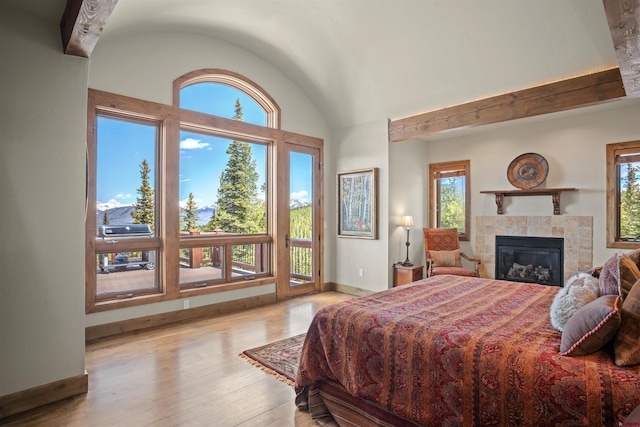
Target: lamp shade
407,221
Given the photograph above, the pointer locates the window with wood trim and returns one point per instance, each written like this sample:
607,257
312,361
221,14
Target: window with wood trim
180,198
623,195
189,92
449,196
126,157
224,185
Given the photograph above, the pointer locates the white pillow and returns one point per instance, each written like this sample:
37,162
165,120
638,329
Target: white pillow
579,291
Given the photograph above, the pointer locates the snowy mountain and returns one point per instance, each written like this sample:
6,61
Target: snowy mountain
115,214
121,214
204,214
293,204
111,204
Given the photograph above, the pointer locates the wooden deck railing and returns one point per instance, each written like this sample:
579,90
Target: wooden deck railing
253,258
301,260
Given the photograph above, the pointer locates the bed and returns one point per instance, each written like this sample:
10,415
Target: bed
456,351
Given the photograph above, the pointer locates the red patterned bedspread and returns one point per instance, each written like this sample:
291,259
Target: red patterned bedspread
464,351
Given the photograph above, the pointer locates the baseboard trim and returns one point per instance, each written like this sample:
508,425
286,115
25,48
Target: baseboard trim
139,323
350,290
327,287
25,400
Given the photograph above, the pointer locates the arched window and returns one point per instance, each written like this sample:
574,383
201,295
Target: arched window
192,194
208,91
224,186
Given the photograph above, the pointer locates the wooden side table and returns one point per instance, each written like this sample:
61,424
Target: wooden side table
403,274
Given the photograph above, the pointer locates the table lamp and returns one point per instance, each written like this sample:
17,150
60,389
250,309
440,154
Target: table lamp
407,222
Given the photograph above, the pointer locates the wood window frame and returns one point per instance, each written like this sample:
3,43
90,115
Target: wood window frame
102,104
613,194
235,80
460,168
172,118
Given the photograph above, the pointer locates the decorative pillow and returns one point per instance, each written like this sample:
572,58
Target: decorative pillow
626,347
591,327
446,258
610,276
629,274
579,291
635,256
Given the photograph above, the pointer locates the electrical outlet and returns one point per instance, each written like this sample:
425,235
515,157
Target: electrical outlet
185,303
361,272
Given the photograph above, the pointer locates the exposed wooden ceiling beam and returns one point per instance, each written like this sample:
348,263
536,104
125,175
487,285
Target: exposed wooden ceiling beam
549,98
624,24
82,24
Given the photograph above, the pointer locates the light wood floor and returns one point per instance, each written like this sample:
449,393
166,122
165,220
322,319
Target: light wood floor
188,374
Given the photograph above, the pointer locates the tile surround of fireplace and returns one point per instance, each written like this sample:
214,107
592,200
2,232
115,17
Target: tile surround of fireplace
577,232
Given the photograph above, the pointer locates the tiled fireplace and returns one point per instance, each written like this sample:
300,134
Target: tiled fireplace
577,232
530,259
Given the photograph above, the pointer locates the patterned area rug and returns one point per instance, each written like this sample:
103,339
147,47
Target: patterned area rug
279,358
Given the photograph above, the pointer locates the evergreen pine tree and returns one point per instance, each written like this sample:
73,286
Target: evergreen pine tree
239,210
630,203
301,227
452,204
143,212
105,219
301,222
190,219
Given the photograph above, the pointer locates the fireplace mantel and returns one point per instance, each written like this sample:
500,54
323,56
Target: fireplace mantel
553,192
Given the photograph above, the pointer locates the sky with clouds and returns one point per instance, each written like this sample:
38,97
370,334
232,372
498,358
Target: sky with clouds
123,145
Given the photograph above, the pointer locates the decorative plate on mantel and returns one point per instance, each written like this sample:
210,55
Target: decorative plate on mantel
527,171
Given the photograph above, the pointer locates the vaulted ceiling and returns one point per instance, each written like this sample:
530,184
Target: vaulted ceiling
360,60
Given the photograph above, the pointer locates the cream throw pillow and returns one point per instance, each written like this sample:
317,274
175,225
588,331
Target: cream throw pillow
579,291
446,258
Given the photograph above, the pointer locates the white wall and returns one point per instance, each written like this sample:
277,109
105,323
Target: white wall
574,145
408,185
572,142
144,66
361,147
42,171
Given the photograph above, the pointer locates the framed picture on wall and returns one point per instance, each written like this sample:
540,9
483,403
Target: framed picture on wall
357,194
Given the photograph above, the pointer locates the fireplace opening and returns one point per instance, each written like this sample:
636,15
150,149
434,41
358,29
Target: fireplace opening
530,259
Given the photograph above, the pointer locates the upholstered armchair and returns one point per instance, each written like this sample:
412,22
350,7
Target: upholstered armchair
442,248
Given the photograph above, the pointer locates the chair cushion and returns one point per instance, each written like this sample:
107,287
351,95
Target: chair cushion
456,271
446,258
